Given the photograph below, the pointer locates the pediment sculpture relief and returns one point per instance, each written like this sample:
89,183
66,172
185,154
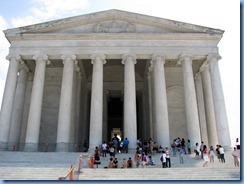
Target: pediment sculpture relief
114,27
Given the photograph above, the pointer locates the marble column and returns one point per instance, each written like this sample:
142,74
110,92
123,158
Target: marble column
96,113
73,128
130,121
78,109
150,104
34,119
153,113
209,107
8,100
219,102
193,129
105,115
65,107
201,109
160,101
19,99
26,109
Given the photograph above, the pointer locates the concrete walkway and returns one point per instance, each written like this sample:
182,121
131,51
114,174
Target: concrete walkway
52,165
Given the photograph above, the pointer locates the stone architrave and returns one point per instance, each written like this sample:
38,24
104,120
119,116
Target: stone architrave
65,108
193,129
210,115
160,101
130,120
34,119
14,135
8,100
219,102
96,114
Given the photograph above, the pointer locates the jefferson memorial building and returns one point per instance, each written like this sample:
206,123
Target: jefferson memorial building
94,75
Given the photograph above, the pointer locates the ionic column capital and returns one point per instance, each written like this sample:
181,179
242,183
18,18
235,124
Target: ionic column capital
158,57
185,57
128,57
95,57
40,58
68,56
158,60
213,57
13,56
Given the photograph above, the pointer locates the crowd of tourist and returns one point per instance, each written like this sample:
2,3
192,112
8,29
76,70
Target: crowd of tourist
146,149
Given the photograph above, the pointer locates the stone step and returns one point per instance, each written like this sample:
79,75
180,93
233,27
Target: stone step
51,166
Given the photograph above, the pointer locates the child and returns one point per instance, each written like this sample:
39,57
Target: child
115,163
129,163
124,164
144,159
150,161
211,154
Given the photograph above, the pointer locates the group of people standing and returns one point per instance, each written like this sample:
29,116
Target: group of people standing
114,146
146,149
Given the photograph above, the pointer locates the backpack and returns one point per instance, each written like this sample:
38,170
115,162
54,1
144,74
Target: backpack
161,159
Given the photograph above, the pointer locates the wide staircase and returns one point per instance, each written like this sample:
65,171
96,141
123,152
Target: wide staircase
54,166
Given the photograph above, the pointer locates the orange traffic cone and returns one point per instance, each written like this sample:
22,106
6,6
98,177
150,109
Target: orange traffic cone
80,163
71,174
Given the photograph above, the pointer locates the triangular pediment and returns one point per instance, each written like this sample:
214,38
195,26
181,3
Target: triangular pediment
112,21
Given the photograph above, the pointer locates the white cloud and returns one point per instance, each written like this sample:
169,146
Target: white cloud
43,10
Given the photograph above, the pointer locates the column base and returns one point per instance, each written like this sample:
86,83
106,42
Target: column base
31,147
62,147
3,146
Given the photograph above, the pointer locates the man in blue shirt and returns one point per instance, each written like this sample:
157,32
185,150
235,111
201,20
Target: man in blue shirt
126,145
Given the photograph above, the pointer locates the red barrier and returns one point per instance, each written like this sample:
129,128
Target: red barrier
14,147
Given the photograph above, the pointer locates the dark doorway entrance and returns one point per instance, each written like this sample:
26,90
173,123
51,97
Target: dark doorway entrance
115,116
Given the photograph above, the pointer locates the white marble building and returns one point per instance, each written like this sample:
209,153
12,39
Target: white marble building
89,76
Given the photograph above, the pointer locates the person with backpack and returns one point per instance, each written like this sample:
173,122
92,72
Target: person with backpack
163,159
96,154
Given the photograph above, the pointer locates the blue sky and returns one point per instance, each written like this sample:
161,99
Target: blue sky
217,14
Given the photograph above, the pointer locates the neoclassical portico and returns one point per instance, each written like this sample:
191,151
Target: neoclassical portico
122,72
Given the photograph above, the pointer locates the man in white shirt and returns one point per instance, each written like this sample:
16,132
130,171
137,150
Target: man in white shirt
168,153
104,148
